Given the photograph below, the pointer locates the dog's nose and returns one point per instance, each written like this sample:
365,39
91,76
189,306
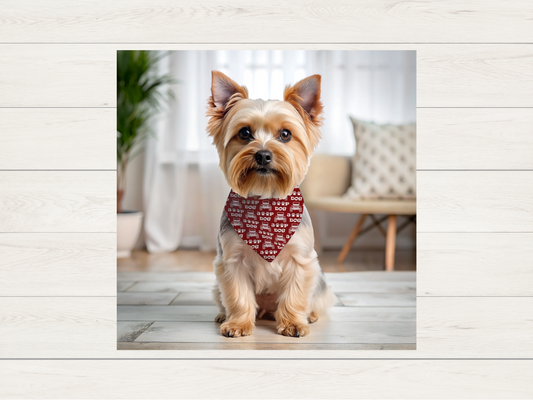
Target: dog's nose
263,157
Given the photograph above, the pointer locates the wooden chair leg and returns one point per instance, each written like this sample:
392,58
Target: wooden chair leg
391,243
353,235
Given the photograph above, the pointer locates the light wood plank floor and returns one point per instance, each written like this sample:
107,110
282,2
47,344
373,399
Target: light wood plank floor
165,302
193,260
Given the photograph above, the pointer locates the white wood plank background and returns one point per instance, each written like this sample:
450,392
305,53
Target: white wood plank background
189,21
57,193
475,201
474,138
30,138
59,264
58,201
303,379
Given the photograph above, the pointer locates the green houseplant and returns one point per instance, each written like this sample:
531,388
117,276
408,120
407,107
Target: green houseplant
139,99
140,96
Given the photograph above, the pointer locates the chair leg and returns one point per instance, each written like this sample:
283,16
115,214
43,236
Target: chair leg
353,235
391,243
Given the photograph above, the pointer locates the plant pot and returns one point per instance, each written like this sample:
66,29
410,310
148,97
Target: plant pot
128,228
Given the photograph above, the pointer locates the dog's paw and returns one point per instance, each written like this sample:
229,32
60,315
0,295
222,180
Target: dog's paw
221,317
231,329
293,329
312,317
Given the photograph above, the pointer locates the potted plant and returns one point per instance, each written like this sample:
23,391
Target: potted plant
140,96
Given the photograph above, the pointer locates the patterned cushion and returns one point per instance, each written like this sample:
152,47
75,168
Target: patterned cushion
384,165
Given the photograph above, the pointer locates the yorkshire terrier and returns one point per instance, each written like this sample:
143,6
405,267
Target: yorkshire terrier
264,149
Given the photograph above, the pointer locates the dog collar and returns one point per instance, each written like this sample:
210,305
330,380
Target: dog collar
266,225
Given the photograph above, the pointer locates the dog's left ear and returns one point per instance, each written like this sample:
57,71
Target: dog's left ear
306,94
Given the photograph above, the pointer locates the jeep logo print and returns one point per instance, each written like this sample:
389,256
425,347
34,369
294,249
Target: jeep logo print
266,225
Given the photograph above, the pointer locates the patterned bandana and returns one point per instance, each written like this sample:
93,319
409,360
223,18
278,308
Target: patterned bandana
266,225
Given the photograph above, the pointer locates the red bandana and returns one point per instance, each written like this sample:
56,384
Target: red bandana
266,225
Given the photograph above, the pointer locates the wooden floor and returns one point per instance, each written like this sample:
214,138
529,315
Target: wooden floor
165,302
192,260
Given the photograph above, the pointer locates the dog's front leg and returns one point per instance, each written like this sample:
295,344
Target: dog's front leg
296,283
238,298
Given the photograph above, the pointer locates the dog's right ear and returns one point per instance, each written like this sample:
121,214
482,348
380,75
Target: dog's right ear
224,89
225,93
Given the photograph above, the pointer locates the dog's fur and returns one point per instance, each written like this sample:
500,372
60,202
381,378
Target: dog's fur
292,288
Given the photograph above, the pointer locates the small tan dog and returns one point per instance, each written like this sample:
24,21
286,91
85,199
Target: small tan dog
264,149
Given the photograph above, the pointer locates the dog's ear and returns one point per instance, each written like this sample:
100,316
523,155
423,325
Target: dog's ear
306,94
223,89
305,98
225,93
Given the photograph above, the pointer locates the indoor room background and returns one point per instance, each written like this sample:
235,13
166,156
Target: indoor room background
177,183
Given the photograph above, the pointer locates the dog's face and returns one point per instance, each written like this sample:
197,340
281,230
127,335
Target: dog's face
264,146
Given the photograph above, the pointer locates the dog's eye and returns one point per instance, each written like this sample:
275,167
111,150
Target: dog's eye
245,133
285,135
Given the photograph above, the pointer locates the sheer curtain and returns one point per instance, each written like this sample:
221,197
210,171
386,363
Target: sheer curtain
182,179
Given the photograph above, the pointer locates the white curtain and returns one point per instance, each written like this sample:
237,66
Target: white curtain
183,182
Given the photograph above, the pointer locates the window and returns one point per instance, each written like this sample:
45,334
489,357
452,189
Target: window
378,86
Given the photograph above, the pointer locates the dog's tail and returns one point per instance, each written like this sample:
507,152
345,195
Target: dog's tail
323,298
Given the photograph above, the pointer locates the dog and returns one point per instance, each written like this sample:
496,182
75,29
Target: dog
264,149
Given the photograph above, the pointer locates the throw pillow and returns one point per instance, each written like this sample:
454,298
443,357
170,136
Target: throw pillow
384,165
